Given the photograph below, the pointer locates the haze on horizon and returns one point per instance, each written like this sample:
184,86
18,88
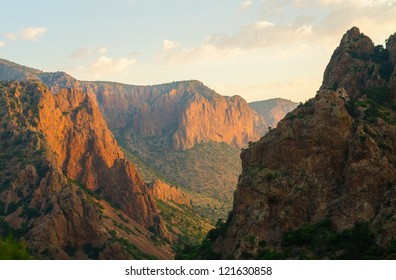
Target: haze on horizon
258,49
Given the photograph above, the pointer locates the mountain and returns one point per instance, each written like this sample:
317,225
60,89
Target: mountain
181,114
182,132
273,110
322,184
66,188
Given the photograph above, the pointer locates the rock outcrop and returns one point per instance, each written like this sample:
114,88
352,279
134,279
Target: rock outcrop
87,152
357,65
167,193
330,163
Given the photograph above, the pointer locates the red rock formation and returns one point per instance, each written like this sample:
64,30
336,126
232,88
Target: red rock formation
85,149
168,193
187,111
182,113
61,162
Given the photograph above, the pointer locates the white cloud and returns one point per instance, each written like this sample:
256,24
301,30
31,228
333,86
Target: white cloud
262,24
206,52
169,45
286,48
292,23
102,50
11,36
84,52
2,44
246,5
105,68
305,29
32,33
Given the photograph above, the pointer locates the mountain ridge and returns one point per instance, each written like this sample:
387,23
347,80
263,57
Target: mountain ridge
142,103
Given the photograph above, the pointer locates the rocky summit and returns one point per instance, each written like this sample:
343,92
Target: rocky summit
323,183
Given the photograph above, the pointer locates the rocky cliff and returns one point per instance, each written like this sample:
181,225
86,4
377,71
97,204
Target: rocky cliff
273,110
181,114
59,163
323,183
167,193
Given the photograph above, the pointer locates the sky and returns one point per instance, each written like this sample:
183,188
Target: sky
258,49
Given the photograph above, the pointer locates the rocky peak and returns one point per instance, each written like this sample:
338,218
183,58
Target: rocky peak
391,47
357,65
354,40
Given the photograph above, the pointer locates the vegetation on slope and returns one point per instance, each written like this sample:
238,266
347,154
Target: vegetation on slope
208,172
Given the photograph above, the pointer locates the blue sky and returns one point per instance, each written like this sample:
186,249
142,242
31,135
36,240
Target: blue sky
258,49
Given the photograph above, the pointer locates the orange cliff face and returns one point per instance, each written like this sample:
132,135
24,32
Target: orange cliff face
166,193
182,114
185,113
77,133
219,119
84,148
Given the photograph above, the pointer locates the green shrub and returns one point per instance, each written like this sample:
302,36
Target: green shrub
351,107
379,95
386,70
13,250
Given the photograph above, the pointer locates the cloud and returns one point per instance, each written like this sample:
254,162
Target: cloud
104,67
245,5
290,23
169,45
32,33
29,33
206,51
2,44
11,36
102,50
84,52
262,24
